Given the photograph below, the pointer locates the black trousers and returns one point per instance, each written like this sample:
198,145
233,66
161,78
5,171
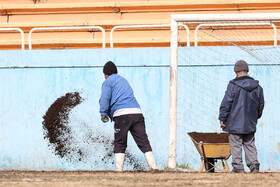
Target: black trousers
134,123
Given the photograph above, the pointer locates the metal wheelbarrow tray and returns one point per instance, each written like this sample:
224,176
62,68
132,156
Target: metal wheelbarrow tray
211,147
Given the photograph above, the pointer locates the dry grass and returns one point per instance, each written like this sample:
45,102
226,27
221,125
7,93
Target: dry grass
94,178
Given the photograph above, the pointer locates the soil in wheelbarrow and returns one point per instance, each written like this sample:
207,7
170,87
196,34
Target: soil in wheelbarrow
209,137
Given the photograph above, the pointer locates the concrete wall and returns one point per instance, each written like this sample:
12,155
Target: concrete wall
31,81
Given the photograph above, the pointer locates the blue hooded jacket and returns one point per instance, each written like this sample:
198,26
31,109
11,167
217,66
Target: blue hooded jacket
116,94
242,105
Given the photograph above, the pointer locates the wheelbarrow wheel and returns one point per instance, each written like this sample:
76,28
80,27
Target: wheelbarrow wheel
209,165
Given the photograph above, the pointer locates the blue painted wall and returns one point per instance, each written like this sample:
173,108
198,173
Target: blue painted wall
32,80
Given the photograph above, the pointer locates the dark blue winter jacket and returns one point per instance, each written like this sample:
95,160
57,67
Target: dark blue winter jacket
242,105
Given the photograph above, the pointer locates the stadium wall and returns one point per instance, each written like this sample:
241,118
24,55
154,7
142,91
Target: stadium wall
31,81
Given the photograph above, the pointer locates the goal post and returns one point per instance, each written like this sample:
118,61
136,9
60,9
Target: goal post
212,18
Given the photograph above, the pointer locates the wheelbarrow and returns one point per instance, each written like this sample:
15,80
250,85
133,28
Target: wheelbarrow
212,147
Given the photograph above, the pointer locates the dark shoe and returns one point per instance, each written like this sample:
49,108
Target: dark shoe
255,168
234,170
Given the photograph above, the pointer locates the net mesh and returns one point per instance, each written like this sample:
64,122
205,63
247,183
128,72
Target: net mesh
204,72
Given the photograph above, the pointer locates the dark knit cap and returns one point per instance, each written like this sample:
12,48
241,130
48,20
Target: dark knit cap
110,68
241,65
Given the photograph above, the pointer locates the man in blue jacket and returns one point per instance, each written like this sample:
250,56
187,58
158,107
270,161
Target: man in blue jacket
118,103
240,110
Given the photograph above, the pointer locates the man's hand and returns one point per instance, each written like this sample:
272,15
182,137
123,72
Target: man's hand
222,124
104,118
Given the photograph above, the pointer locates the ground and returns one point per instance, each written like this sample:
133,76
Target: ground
110,178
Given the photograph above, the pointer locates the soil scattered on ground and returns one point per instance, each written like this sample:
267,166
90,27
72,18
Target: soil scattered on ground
163,178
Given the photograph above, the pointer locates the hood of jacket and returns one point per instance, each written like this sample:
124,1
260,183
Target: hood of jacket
245,82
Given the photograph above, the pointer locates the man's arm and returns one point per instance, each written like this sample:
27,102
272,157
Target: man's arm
226,104
260,110
105,98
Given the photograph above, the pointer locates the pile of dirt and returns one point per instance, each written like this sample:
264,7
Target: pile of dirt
209,137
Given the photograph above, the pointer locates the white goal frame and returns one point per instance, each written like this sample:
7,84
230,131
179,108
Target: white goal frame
175,18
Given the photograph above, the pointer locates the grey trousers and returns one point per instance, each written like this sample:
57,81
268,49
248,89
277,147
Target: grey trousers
236,142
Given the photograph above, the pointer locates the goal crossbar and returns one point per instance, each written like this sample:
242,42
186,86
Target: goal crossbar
175,18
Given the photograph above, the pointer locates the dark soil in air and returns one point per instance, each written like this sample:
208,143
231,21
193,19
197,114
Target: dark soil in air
61,137
55,124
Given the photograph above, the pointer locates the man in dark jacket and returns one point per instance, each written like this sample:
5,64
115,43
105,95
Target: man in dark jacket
240,110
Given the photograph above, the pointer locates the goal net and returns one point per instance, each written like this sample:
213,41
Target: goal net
199,75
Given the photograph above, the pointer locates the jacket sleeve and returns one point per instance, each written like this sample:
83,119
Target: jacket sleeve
105,98
261,100
226,103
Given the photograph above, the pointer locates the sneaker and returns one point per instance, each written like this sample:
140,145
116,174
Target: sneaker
234,170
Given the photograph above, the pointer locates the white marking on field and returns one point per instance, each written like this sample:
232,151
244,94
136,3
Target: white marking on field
32,180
